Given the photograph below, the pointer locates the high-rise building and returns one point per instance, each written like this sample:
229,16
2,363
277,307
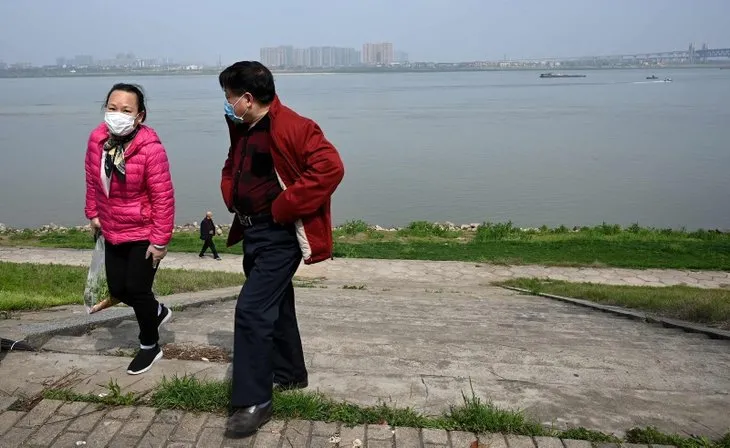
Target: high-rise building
315,56
401,57
282,56
378,53
312,57
300,58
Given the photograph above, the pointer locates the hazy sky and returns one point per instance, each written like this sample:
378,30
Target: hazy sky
38,31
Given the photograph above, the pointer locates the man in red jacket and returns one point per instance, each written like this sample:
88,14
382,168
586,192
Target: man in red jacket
278,179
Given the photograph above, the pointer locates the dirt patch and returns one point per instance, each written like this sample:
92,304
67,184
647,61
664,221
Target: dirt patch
25,404
189,352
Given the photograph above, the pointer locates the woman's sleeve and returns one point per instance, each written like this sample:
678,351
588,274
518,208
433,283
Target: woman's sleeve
90,166
162,195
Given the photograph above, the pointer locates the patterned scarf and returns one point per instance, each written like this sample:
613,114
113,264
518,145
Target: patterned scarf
114,159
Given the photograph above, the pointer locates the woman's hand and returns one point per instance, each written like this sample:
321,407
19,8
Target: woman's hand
156,254
95,224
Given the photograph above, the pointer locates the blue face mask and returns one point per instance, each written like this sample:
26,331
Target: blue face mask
231,113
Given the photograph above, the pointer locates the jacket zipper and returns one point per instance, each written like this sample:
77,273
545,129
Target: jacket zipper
237,177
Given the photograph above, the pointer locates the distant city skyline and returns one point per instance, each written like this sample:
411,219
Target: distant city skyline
310,57
289,56
327,57
463,30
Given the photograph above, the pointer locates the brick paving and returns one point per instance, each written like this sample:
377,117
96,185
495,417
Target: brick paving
53,423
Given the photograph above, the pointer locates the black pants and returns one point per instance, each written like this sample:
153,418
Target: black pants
129,276
267,343
209,243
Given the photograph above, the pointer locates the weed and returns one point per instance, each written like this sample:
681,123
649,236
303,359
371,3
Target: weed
473,415
114,397
355,227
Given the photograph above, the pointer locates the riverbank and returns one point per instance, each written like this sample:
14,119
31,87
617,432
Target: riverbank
56,72
499,243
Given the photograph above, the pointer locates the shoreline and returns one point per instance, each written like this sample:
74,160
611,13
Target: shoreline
41,73
359,226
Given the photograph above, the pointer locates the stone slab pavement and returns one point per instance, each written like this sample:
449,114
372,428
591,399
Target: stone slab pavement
397,272
563,365
419,334
35,327
56,424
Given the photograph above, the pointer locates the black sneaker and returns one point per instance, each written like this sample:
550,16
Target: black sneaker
201,256
165,316
144,360
244,422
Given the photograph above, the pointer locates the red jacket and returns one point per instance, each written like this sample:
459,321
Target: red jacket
309,170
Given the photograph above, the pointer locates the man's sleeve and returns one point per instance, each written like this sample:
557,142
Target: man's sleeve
323,171
227,171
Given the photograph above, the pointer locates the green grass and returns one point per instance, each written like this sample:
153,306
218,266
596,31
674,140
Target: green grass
473,415
602,245
705,306
114,397
29,286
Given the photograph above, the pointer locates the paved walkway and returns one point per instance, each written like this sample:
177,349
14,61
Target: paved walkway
419,334
55,424
563,365
359,271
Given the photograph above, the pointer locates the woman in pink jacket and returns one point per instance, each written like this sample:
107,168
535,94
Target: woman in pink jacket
130,199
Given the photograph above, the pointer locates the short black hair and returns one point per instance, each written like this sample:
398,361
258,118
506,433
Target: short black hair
249,76
130,88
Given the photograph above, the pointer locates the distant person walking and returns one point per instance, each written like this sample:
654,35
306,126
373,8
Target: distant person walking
278,179
130,200
207,232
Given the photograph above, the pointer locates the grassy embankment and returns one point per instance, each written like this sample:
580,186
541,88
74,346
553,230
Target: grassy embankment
502,243
704,306
35,286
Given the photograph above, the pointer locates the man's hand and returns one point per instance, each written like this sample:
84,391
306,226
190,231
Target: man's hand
156,254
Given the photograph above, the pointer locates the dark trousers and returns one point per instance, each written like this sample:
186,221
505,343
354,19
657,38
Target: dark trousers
267,343
129,276
209,243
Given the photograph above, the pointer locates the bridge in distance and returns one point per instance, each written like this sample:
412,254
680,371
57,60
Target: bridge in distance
691,55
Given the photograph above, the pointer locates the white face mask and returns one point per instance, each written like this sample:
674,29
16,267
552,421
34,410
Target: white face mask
119,123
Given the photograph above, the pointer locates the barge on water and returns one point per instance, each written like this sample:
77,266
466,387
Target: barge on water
560,75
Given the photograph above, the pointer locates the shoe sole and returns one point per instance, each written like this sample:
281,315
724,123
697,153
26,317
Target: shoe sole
157,358
291,386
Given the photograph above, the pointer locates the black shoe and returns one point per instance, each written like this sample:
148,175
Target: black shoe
144,360
164,317
244,422
290,385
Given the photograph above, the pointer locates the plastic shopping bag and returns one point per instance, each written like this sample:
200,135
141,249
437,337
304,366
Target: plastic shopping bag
96,292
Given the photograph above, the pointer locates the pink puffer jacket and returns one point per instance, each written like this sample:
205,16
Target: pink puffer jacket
142,208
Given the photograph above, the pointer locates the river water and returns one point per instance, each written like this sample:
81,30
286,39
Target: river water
463,147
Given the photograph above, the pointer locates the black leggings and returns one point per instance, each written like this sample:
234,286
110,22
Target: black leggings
129,276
